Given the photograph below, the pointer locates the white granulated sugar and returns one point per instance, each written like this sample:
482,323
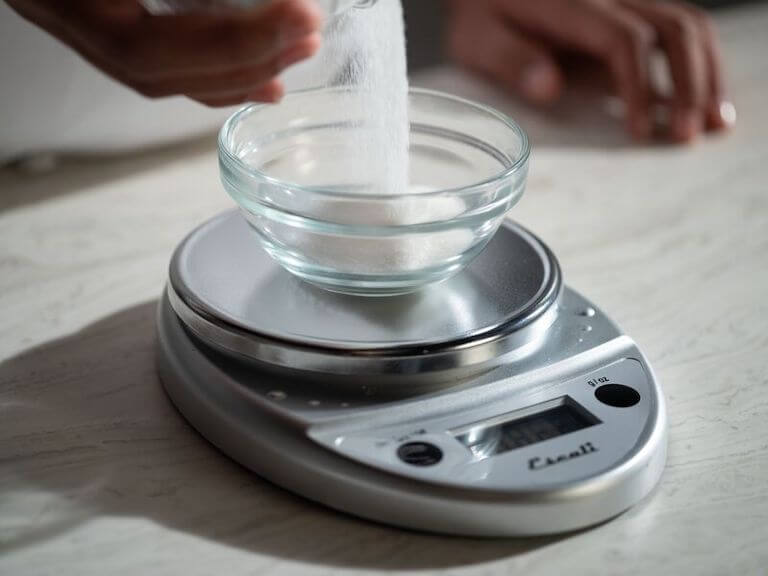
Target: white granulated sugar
406,253
380,73
365,50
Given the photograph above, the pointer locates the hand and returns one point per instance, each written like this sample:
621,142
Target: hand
218,58
517,42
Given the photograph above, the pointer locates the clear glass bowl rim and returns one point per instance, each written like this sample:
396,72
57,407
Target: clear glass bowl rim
236,164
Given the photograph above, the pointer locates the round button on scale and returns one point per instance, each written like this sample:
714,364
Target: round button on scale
617,395
419,453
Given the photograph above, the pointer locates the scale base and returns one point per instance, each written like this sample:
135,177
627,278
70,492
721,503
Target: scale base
290,440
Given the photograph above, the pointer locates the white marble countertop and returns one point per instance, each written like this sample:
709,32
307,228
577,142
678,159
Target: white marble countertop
100,475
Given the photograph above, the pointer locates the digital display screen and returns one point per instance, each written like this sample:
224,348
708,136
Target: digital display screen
531,425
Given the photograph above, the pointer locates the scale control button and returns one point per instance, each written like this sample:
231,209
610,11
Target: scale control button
617,395
419,453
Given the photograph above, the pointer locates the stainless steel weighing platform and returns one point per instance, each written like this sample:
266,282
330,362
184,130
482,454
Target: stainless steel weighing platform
498,403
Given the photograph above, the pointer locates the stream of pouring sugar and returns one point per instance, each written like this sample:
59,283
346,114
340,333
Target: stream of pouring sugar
368,46
367,49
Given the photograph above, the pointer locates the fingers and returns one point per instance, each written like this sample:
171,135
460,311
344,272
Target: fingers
485,43
525,66
271,91
627,48
690,44
719,113
624,35
219,58
681,38
234,86
179,44
615,36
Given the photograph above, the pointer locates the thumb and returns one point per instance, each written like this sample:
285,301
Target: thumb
518,62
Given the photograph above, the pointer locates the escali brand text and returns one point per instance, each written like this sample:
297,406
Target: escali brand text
539,463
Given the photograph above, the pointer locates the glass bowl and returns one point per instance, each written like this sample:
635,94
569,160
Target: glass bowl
320,217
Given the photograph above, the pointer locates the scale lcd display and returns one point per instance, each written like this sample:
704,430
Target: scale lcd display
525,427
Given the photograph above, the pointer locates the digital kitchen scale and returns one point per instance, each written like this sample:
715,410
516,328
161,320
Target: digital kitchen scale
497,403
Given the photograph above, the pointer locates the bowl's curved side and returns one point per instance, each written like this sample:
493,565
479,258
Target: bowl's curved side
343,239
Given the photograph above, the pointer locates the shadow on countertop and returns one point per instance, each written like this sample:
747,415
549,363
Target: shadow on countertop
86,421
